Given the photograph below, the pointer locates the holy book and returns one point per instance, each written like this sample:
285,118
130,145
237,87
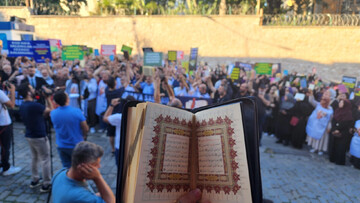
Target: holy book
170,151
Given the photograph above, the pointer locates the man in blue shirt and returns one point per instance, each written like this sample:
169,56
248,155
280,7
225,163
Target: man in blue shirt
71,185
32,114
70,127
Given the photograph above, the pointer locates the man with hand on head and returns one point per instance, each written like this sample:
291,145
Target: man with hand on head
71,185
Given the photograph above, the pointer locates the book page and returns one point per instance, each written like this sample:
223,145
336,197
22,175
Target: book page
222,170
164,167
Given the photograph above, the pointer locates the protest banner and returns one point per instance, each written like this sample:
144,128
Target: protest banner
172,55
55,45
20,48
152,59
235,73
349,82
107,50
148,70
126,48
111,57
41,49
263,68
193,58
3,41
180,55
72,52
286,72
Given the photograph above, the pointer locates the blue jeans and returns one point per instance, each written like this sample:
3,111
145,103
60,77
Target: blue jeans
65,156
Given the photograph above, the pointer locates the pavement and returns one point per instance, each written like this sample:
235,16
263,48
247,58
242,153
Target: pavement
288,175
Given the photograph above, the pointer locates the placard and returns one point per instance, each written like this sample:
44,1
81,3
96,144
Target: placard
152,59
126,48
4,42
96,52
55,45
147,49
263,68
247,67
20,48
349,82
148,70
41,49
303,82
172,55
193,58
185,65
72,52
357,89
235,73
180,55
107,50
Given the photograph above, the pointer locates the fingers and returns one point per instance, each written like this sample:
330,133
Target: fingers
191,197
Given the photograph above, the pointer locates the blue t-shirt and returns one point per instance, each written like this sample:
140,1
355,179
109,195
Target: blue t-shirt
66,121
65,189
147,88
32,116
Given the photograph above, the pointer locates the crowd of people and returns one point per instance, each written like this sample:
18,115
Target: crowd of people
78,97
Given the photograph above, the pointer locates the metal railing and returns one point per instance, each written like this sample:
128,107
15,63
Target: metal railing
311,20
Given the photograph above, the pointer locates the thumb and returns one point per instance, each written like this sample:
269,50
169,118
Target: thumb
191,197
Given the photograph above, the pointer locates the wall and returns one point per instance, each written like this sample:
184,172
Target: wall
334,50
7,11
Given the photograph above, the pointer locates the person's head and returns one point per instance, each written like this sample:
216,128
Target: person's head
148,79
7,69
175,103
25,90
44,73
124,81
244,88
325,101
202,88
111,82
222,90
105,74
86,153
61,98
273,89
31,70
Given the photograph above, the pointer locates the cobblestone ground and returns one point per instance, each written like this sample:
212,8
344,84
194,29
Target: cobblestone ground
288,175
292,175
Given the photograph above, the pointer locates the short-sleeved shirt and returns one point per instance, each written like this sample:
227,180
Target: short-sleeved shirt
147,88
32,116
65,189
66,121
115,120
4,113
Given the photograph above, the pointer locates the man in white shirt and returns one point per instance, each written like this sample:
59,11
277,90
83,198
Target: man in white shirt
6,130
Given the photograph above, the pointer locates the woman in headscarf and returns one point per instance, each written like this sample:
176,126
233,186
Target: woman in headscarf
319,125
283,128
300,114
355,146
339,134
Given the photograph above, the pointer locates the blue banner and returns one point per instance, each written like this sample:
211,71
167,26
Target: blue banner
41,50
20,48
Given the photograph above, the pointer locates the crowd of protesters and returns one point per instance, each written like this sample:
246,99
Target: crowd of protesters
321,115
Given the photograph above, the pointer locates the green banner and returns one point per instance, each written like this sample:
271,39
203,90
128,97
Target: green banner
72,52
263,68
126,48
172,55
152,59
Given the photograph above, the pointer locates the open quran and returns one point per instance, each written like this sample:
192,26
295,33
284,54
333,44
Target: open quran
169,151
